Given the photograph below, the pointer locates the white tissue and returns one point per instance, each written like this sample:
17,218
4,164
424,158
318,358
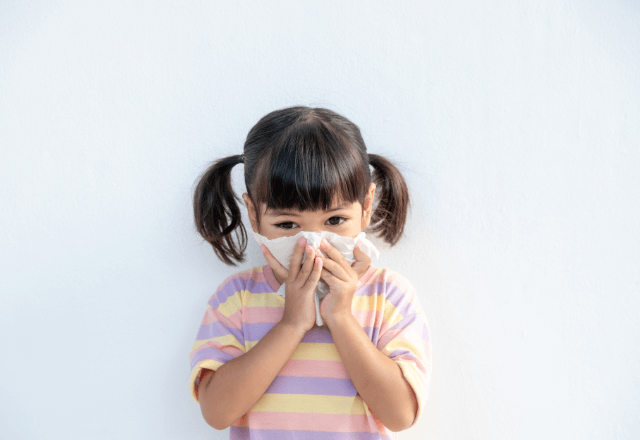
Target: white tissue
282,248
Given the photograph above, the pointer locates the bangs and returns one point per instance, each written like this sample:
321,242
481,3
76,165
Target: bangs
311,168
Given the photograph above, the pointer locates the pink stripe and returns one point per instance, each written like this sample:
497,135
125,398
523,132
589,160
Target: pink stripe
404,285
312,422
389,277
388,337
312,368
397,280
233,321
421,366
209,316
367,318
367,277
270,278
233,351
254,315
255,274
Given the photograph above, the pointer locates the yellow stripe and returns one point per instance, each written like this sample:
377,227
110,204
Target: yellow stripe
231,305
396,344
378,302
373,302
309,351
234,302
305,403
417,382
266,299
391,314
316,351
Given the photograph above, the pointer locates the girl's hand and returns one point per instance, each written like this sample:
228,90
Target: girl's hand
300,285
342,279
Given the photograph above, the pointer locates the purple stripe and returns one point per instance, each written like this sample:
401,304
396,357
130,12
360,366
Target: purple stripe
373,333
318,335
244,433
414,322
210,353
256,331
224,292
403,352
217,329
400,301
325,386
426,334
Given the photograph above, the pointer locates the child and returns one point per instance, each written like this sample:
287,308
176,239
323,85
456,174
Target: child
259,363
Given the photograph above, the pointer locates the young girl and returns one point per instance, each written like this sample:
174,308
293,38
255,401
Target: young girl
260,364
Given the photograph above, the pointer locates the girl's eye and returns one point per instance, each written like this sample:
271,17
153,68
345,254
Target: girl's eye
286,225
335,221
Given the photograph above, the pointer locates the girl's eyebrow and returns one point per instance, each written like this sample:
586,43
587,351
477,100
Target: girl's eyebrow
296,214
278,213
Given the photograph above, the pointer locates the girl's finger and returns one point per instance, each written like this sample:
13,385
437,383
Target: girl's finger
307,265
330,278
362,262
334,254
296,259
313,279
336,269
275,265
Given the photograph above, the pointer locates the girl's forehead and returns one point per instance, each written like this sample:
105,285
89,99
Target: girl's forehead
336,206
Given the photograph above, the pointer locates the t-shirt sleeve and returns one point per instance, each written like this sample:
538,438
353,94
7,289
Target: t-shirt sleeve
220,337
404,336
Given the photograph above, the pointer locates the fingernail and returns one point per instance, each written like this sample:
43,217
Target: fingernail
318,253
264,249
323,242
309,249
301,241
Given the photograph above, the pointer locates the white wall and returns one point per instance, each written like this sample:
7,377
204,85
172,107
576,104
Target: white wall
517,125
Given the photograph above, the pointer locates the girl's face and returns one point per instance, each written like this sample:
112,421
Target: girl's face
346,219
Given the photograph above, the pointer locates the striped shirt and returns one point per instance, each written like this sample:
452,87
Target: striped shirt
312,397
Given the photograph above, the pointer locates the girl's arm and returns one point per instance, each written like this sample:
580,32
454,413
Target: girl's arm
231,391
377,378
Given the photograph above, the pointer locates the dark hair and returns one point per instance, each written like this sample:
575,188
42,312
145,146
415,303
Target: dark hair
298,158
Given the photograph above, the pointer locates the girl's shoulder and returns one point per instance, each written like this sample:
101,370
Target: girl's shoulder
393,286
233,292
258,278
386,279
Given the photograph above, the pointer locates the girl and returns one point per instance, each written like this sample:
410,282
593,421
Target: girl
259,363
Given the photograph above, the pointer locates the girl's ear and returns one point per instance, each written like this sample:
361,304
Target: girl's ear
251,210
367,209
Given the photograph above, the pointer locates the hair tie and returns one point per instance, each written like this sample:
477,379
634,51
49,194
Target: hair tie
242,158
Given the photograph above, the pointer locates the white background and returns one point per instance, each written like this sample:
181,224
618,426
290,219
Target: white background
516,124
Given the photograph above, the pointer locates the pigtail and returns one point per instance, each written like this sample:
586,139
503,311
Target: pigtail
217,214
390,214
